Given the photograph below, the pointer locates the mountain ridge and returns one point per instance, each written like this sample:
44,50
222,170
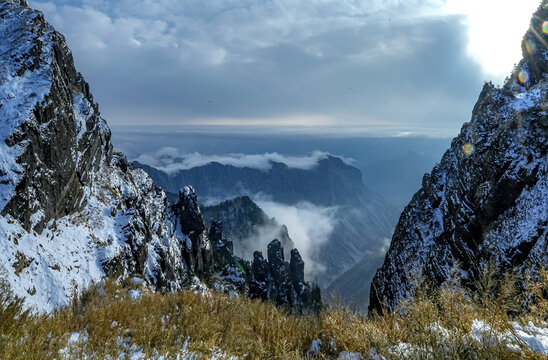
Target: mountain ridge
485,202
281,180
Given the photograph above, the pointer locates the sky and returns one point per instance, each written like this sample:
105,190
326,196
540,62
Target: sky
378,67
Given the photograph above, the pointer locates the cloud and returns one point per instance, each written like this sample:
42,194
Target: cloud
389,66
309,227
497,50
170,160
385,246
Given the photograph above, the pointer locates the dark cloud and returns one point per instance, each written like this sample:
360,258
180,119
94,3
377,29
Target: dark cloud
388,65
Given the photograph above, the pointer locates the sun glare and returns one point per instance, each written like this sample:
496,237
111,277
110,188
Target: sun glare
496,28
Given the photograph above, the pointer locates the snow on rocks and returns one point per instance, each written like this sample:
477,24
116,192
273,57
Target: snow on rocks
23,85
486,199
72,210
48,269
530,336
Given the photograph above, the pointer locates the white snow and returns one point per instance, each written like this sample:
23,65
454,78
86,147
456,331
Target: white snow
531,336
134,294
528,99
346,355
48,269
200,288
374,355
82,114
134,352
315,348
534,337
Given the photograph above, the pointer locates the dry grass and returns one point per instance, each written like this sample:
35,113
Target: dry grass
435,325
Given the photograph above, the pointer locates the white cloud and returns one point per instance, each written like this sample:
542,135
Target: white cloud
170,160
385,246
89,28
214,31
278,62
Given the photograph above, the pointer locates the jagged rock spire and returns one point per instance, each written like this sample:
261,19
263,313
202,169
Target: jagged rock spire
198,255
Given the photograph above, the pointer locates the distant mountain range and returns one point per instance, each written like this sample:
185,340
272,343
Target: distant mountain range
362,219
331,183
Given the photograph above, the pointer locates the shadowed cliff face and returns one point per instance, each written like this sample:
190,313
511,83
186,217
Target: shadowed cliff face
50,122
487,199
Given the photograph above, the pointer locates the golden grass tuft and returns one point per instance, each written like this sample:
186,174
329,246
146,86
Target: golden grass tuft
435,324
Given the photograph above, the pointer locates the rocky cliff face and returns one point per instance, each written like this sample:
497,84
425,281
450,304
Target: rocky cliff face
72,210
247,225
45,100
198,253
486,201
272,279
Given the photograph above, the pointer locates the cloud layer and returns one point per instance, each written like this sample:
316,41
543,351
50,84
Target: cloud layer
397,65
171,160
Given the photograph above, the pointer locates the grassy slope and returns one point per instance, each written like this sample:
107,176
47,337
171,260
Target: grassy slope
113,323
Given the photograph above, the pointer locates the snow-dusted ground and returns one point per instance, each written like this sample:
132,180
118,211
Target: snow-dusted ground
519,337
132,352
48,269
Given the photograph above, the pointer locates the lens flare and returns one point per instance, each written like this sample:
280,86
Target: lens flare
530,46
468,149
523,76
545,27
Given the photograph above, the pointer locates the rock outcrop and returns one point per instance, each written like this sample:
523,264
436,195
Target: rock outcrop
247,225
272,279
198,253
486,201
72,210
277,280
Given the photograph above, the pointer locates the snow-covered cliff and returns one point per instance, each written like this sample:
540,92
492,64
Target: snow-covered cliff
487,200
72,210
